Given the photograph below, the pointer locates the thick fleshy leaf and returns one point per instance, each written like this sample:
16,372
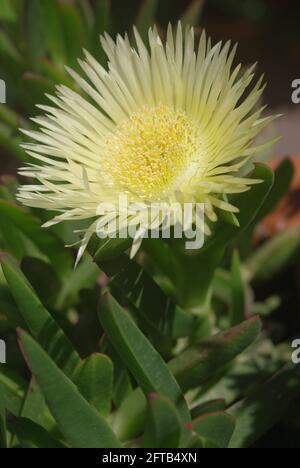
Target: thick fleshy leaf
194,287
43,279
129,419
14,389
200,363
35,408
10,317
79,422
3,440
256,365
140,357
94,378
38,320
135,284
192,368
257,413
212,406
283,179
163,424
31,435
216,428
274,256
238,291
248,204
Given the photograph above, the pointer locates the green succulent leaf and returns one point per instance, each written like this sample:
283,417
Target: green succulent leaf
140,357
248,204
258,412
31,435
38,320
256,365
10,317
200,363
212,406
216,428
130,417
80,423
13,390
155,308
94,378
283,177
163,424
34,407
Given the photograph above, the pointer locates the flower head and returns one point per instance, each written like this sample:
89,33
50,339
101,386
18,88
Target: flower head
166,122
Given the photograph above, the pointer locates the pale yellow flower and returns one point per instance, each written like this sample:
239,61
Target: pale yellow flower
166,122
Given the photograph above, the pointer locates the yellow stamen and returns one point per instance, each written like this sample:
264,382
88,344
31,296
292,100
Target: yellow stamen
149,153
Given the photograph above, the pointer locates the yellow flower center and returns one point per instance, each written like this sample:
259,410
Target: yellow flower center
150,152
